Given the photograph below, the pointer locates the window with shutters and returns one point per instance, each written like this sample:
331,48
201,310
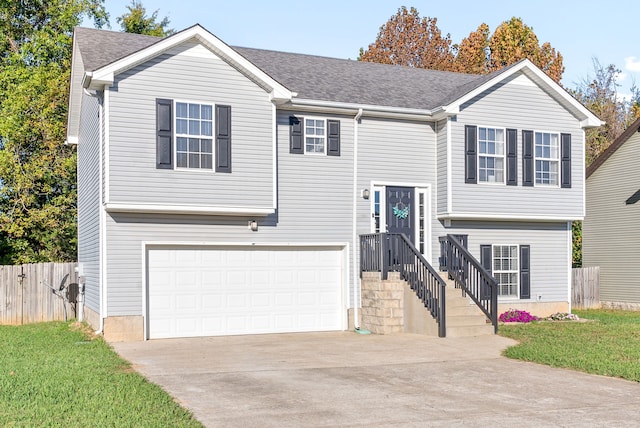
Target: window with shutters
194,135
491,155
505,268
547,158
315,136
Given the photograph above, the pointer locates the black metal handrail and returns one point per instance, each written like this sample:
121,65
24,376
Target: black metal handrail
472,278
394,252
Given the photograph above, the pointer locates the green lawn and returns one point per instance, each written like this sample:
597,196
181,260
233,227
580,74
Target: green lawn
52,375
607,344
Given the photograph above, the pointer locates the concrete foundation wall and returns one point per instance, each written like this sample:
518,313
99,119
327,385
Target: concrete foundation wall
124,329
539,309
624,306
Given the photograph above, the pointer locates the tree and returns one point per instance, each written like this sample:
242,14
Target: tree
136,21
407,39
473,52
513,41
37,171
600,95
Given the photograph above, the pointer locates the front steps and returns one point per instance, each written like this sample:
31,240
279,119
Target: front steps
390,306
463,317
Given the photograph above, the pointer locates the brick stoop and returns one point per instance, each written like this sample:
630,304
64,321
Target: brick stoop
390,306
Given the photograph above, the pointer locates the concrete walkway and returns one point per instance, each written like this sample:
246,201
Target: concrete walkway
347,379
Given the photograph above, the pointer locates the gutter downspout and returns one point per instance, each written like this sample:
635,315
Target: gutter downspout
356,267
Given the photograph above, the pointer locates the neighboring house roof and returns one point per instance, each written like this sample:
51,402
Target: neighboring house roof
314,80
634,127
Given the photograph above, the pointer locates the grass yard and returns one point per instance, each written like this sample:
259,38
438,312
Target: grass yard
52,375
607,344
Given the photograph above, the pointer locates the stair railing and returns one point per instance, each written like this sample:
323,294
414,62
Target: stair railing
394,252
469,275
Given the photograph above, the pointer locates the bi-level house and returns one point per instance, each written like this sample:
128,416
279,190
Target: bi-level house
226,190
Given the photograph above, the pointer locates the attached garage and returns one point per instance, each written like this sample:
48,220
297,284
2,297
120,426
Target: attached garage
215,291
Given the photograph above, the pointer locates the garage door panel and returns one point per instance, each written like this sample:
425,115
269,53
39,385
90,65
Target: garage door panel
216,291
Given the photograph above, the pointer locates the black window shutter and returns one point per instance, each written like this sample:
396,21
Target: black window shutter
525,275
333,138
565,163
527,158
296,143
164,133
470,159
512,157
223,138
486,262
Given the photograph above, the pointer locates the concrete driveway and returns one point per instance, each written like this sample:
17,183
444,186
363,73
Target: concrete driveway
347,379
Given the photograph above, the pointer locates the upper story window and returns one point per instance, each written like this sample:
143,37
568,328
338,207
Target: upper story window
315,136
309,135
194,135
491,152
547,158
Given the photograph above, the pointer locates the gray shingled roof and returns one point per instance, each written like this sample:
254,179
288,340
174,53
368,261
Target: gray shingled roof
311,77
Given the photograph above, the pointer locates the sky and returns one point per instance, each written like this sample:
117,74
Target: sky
581,30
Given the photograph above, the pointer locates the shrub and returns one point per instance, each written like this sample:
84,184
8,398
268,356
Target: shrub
563,316
516,315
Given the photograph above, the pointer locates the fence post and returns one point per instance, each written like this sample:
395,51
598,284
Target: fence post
384,247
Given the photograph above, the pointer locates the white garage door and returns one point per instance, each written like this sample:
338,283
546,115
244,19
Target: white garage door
240,290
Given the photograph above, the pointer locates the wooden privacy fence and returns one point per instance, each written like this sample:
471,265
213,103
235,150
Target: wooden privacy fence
26,295
585,288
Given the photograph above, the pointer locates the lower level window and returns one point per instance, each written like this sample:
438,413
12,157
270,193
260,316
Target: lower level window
506,269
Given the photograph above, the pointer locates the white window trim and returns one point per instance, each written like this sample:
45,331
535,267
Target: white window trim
304,135
213,137
504,156
536,158
493,273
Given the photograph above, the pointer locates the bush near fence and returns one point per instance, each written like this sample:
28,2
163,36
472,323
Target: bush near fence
26,296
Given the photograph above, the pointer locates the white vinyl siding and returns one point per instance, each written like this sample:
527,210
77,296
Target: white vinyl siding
550,257
89,176
189,72
304,215
521,107
610,231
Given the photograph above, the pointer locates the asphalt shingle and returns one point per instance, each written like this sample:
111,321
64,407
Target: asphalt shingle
311,77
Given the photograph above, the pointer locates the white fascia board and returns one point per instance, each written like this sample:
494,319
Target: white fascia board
588,119
187,209
105,75
303,104
505,217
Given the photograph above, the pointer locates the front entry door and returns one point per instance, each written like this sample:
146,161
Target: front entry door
400,211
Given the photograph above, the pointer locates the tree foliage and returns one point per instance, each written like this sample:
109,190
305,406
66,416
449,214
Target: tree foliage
37,171
513,41
137,21
599,94
407,39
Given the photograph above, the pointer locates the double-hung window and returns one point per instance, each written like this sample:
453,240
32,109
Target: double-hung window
547,158
491,155
315,136
505,266
194,135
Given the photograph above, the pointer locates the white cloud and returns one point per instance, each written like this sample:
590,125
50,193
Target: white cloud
631,64
621,77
